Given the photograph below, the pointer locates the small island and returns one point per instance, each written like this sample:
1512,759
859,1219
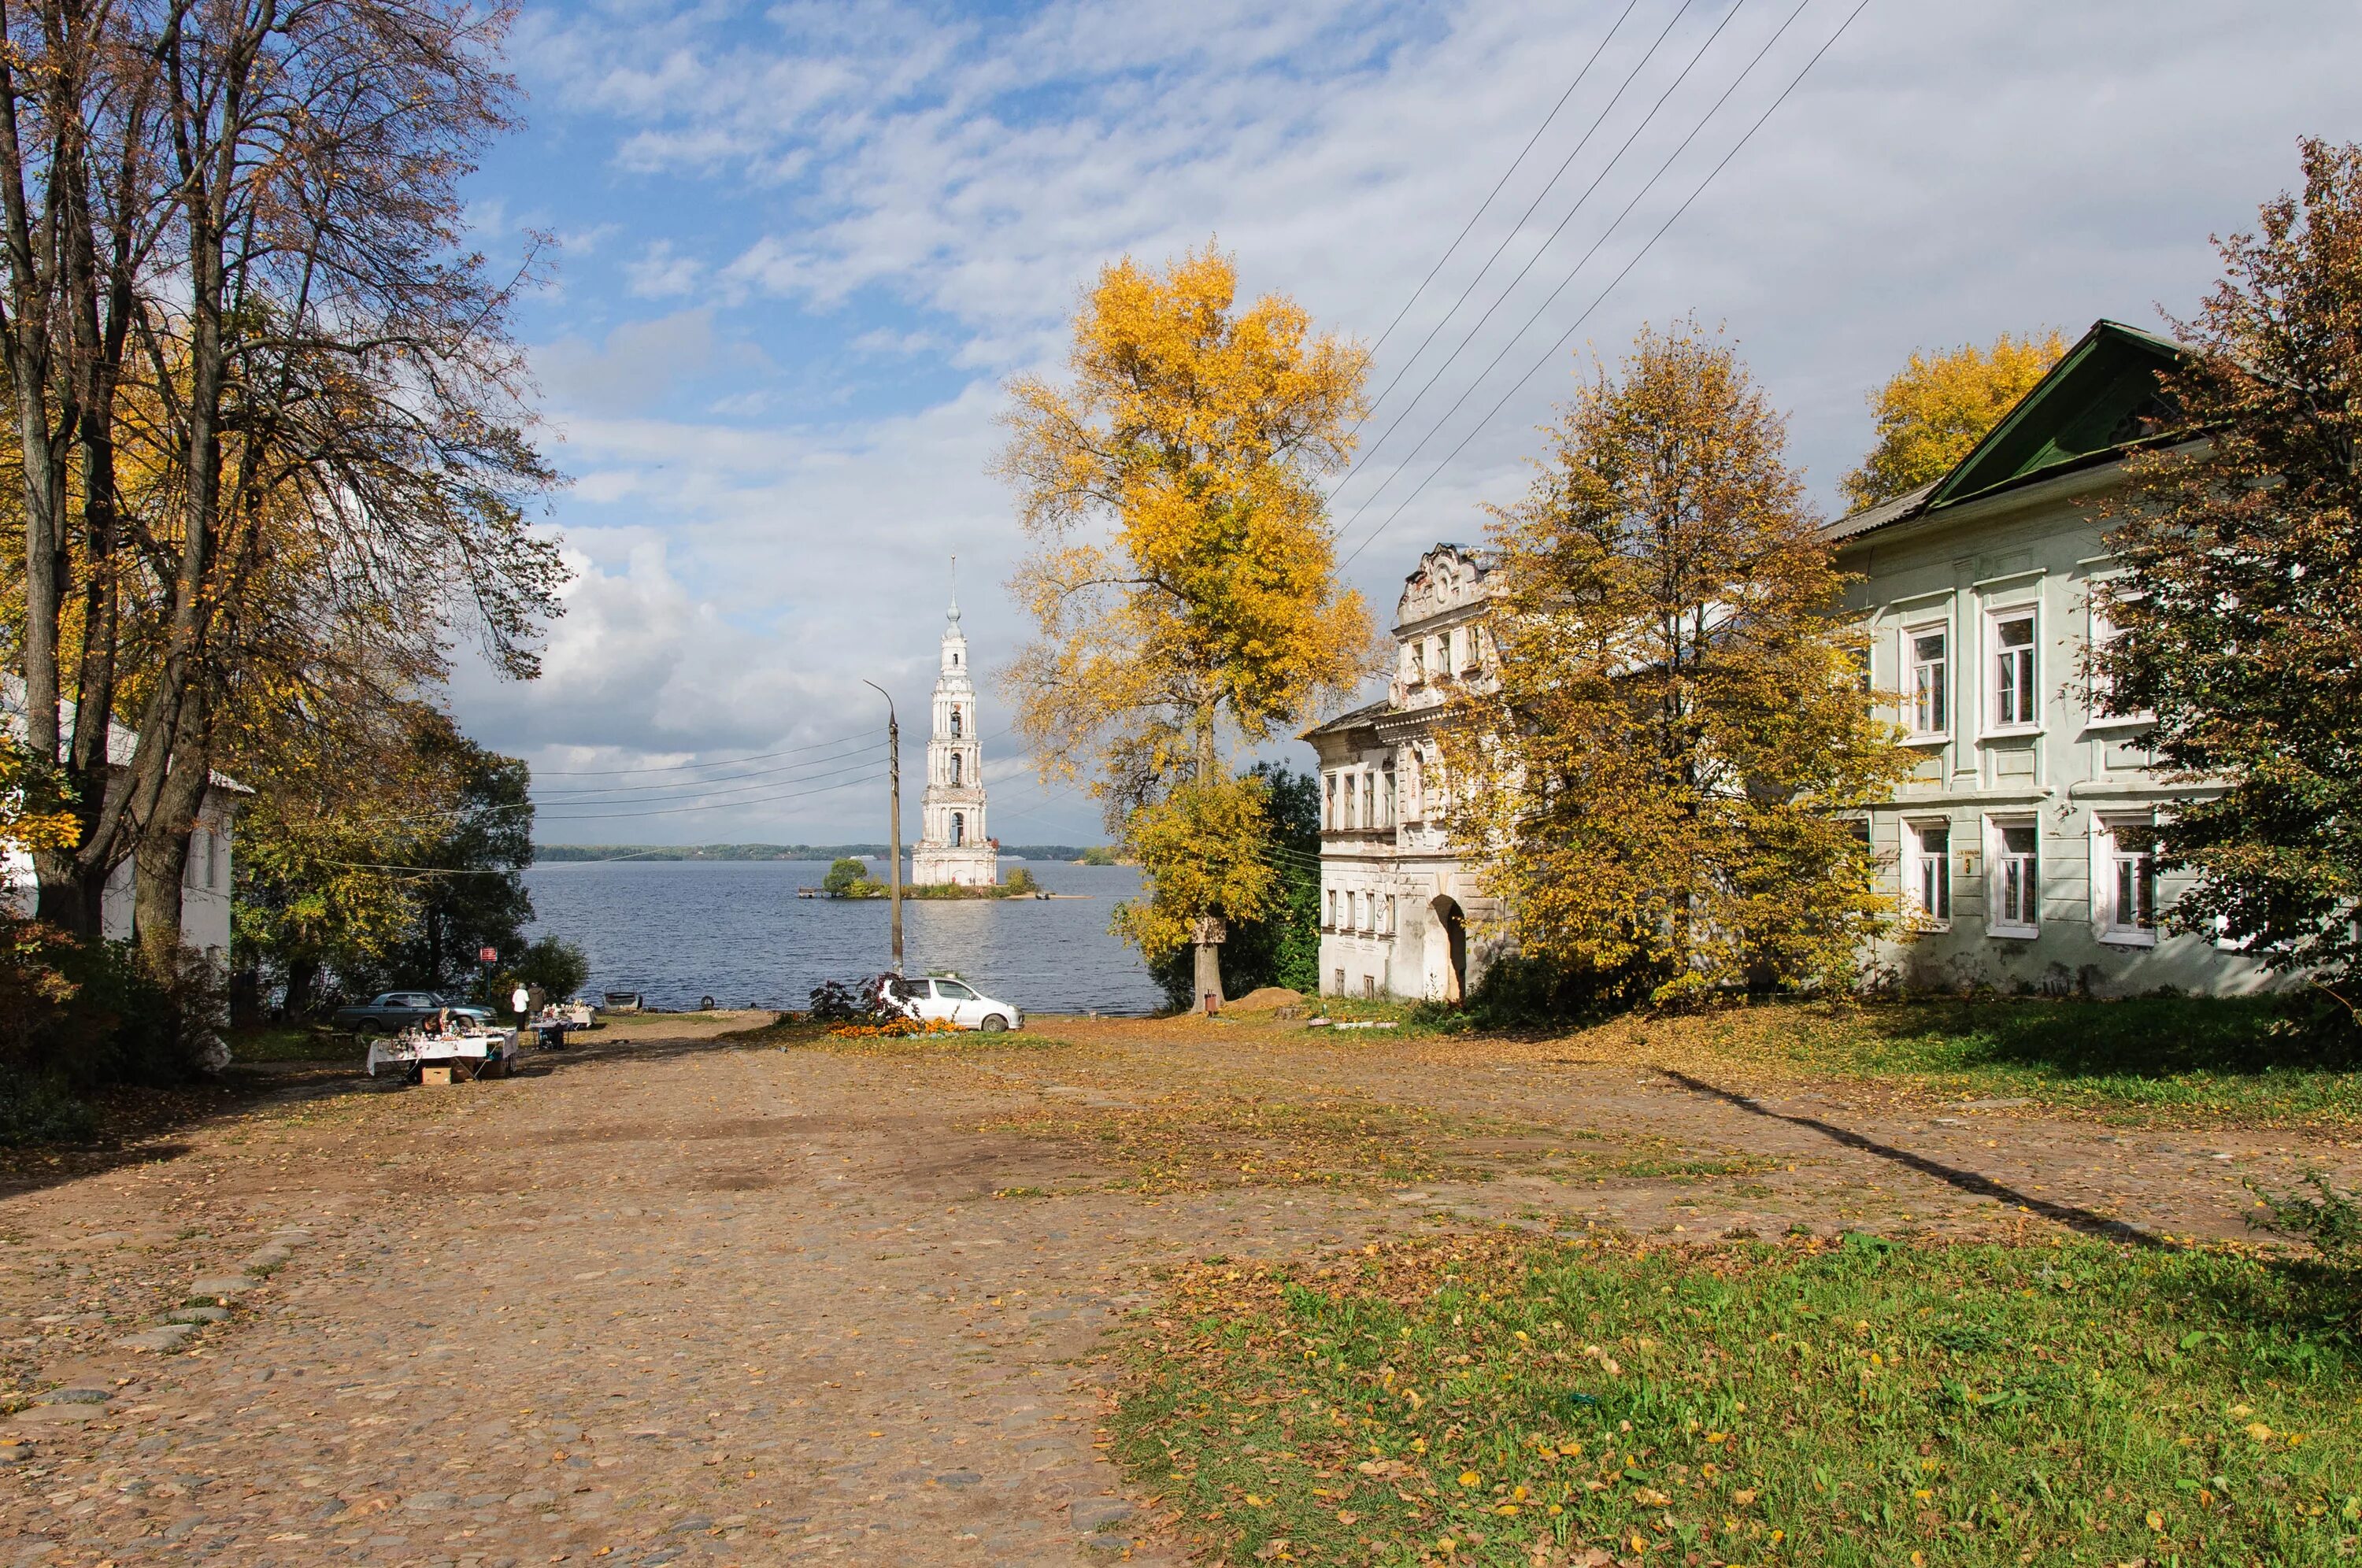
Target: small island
850,878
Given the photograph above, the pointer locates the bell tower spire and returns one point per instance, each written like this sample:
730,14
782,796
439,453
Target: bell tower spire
954,846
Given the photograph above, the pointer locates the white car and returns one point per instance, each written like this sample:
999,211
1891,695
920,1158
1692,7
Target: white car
954,1000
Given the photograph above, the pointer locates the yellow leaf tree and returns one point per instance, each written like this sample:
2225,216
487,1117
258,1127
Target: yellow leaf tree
1181,581
1940,405
1662,780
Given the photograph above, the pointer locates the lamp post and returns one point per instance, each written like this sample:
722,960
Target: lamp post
894,810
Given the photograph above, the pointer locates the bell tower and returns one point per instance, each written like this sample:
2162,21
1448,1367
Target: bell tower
954,846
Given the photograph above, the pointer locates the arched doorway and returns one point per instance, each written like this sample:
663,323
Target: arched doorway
959,829
1447,950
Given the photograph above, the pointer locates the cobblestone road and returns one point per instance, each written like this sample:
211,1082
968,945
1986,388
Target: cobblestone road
677,1298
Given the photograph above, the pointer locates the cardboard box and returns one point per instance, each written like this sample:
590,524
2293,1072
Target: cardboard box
435,1075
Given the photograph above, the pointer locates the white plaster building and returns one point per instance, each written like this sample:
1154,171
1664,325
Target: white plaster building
1397,905
2023,843
205,888
953,847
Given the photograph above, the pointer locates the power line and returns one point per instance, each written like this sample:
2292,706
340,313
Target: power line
688,766
688,787
1551,352
1361,457
724,805
1486,206
1470,336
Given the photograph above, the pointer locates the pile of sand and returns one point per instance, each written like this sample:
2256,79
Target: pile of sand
1269,999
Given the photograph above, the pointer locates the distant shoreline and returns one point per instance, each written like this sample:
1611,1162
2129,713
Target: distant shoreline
561,854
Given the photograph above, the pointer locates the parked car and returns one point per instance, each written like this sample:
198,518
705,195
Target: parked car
954,1000
393,1011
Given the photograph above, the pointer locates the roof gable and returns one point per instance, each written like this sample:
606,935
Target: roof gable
2100,397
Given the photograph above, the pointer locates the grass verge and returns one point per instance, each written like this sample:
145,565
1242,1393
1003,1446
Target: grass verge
1492,1399
2145,1058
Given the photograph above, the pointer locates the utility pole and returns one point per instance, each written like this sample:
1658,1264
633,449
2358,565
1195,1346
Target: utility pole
894,810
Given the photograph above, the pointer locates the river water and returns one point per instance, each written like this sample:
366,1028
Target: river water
676,931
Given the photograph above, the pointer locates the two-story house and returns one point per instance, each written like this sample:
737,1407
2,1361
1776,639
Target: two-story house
2022,842
1396,903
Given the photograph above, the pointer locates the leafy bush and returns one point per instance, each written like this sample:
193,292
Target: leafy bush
1020,880
557,967
2330,1220
845,878
860,1002
41,1110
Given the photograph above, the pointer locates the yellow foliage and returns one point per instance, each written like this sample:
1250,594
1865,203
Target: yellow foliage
1210,847
1940,405
1658,780
1181,581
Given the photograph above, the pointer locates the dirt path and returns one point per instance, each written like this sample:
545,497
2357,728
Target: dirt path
676,1298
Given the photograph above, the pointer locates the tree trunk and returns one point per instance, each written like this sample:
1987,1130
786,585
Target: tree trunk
303,979
1209,975
162,857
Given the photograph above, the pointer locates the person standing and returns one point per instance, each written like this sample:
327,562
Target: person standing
520,1002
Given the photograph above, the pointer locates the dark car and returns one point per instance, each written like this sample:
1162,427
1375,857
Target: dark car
396,1010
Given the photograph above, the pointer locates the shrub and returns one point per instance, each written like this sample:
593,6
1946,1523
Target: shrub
845,878
557,967
861,1002
1020,880
2330,1220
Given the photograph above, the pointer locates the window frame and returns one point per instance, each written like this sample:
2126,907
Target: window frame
2030,657
1911,666
1916,858
1999,859
2108,858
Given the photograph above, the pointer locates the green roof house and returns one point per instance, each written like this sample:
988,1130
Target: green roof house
2023,841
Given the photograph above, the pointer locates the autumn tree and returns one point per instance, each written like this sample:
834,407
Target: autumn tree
1661,776
1183,582
2238,621
1940,405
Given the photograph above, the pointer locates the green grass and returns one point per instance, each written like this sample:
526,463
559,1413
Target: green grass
1864,1404
2220,1056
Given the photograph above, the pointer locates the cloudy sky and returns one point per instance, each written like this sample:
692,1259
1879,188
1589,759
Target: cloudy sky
804,247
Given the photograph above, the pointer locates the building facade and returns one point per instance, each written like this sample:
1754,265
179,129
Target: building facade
204,885
1400,915
953,847
2023,843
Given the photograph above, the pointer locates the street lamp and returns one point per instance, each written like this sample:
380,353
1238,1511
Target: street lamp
894,809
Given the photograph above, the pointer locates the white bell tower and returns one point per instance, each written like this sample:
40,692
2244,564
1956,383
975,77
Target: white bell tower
954,846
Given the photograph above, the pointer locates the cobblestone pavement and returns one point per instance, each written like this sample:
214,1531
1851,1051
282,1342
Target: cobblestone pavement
679,1299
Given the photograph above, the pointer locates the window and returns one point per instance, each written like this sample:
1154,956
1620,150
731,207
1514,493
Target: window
1339,987
2013,693
955,723
959,829
1328,801
1388,819
1927,869
1369,985
1928,679
955,768
1417,668
2018,880
951,990
1369,799
1331,922
2128,883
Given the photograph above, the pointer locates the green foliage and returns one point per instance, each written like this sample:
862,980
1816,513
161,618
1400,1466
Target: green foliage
1854,1404
1283,947
2330,1220
470,894
843,877
2236,622
1021,881
41,1110
557,967
1098,854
